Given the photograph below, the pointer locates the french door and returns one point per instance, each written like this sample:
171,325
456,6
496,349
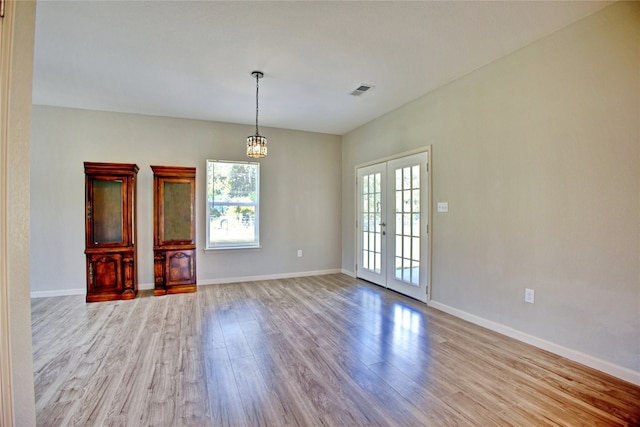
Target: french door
392,225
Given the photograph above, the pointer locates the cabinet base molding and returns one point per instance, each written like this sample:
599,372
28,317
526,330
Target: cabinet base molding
111,296
175,289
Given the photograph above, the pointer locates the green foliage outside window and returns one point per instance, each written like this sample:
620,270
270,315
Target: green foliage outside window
232,204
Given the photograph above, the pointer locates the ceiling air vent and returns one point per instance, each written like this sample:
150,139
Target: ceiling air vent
361,89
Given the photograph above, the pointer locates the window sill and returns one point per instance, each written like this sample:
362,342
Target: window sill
233,248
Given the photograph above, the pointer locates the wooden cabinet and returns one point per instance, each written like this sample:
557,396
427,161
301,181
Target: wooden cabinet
110,205
174,229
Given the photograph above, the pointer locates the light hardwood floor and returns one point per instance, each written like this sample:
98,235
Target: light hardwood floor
315,351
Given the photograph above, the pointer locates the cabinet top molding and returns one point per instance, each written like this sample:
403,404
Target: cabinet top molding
119,168
185,171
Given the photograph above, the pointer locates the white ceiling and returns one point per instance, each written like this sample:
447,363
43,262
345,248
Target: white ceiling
193,59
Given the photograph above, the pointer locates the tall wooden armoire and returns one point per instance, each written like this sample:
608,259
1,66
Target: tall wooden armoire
110,230
174,229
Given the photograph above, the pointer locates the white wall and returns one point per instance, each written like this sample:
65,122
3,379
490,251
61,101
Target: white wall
538,155
300,193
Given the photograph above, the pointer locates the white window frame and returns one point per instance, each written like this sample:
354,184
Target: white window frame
255,243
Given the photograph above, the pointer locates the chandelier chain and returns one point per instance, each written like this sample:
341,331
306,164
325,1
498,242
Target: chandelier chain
257,86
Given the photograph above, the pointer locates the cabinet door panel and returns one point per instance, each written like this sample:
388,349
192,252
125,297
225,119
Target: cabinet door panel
177,212
180,267
105,273
107,215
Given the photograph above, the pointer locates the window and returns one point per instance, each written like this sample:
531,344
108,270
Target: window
233,193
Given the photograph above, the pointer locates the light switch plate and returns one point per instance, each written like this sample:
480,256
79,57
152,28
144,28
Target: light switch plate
443,206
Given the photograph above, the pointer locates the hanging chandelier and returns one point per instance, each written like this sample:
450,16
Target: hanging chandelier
257,144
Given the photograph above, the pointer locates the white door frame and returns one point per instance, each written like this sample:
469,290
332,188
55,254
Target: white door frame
6,390
17,404
428,207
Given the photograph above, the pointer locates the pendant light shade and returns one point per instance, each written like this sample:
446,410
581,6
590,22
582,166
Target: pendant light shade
257,144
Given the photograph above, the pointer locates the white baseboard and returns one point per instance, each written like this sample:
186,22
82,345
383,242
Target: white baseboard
58,293
79,291
267,277
146,286
348,273
577,356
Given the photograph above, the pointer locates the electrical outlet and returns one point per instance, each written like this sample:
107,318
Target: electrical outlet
529,295
299,253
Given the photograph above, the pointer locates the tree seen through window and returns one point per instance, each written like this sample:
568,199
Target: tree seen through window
232,204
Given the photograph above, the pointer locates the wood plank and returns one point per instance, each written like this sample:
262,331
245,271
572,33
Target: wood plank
222,391
313,351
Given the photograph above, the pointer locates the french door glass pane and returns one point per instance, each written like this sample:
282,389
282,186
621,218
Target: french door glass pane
371,222
416,176
415,269
407,178
407,212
